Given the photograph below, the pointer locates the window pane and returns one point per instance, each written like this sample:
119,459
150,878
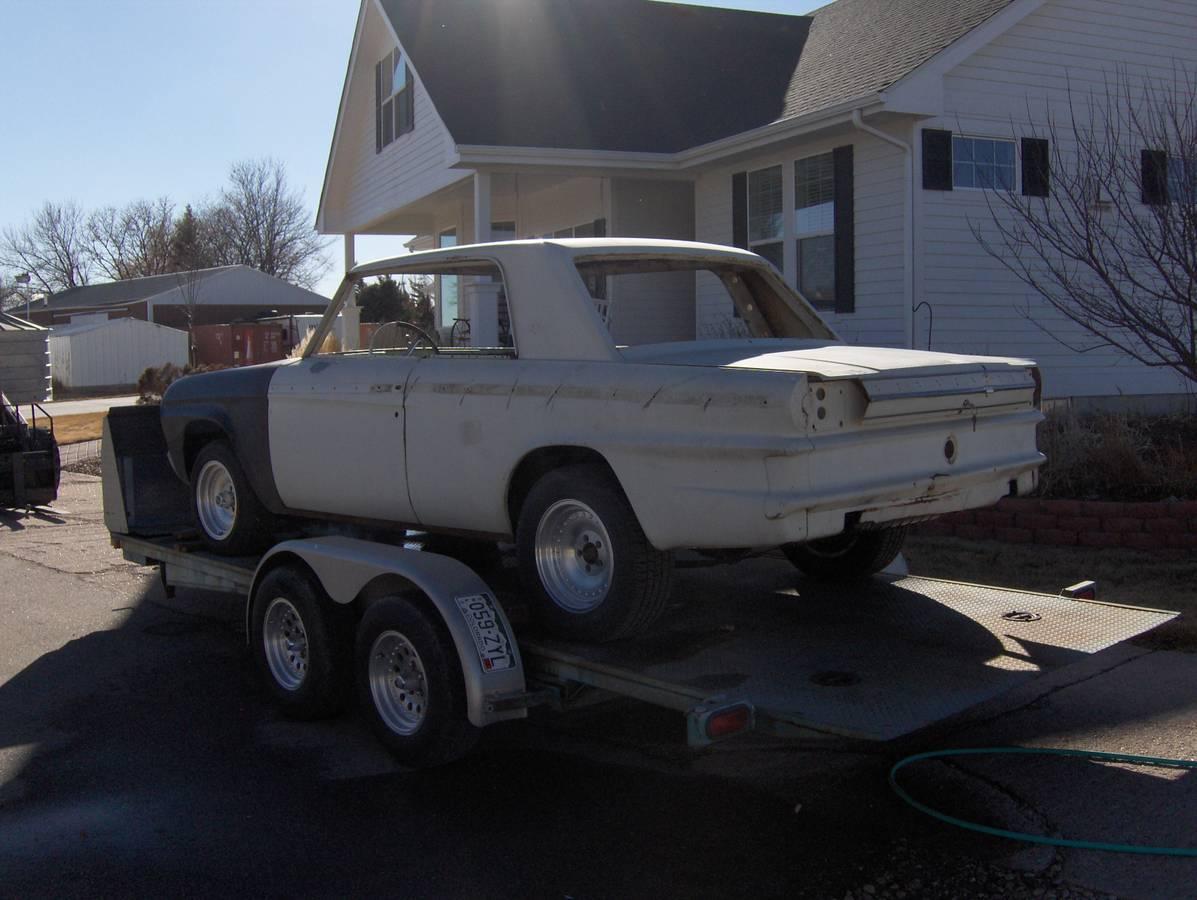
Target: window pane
816,270
814,181
1004,178
984,176
402,113
388,122
962,149
983,151
398,73
1003,153
962,174
815,219
771,252
448,285
764,204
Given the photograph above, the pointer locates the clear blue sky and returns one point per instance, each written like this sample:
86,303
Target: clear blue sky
107,101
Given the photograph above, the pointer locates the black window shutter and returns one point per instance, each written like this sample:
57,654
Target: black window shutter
378,107
937,160
600,227
1154,168
740,210
1036,168
845,229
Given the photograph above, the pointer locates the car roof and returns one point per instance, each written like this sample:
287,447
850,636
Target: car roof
577,247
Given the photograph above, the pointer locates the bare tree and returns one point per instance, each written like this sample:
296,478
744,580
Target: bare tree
1113,246
260,221
51,247
133,241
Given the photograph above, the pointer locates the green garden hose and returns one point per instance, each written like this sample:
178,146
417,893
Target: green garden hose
1035,838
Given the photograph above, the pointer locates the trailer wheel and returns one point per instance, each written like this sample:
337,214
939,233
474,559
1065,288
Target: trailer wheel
232,520
589,570
410,684
847,556
302,644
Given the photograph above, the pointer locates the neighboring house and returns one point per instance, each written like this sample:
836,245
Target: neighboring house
824,142
24,360
219,295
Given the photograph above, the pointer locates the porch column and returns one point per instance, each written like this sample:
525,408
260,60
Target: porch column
350,314
482,293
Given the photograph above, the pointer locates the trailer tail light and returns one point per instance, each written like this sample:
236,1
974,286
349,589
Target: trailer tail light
728,721
1082,590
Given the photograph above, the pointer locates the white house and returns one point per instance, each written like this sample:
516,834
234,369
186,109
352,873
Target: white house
847,146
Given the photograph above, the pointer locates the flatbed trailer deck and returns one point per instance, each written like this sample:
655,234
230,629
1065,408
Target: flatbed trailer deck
876,662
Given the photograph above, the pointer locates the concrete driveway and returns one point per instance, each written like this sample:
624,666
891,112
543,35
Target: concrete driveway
139,755
89,405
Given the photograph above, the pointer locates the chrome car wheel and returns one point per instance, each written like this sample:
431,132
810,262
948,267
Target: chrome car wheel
216,500
574,556
398,684
285,642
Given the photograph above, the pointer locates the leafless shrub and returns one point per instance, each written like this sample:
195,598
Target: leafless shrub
1106,456
153,382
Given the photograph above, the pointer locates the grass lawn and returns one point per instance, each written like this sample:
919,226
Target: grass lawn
1160,580
78,428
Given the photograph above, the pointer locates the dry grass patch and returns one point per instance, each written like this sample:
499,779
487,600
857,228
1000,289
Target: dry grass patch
1159,580
78,428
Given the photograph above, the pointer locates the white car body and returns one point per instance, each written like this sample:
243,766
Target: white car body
716,444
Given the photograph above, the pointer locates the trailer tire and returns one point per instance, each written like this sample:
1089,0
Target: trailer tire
410,684
231,519
849,556
588,568
302,644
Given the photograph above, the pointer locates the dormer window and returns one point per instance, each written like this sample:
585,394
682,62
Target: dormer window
394,112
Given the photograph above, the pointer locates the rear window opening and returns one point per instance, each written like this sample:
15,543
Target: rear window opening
661,301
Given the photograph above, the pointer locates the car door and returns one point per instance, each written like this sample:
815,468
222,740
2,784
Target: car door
336,435
461,438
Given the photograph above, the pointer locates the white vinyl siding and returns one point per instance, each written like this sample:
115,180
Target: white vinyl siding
978,306
368,186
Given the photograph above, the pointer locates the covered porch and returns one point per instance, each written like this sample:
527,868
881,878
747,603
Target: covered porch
503,205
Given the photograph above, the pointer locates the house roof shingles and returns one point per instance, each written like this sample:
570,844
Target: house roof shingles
635,75
860,47
598,74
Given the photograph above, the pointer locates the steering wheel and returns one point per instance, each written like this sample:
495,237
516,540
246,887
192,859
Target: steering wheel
421,335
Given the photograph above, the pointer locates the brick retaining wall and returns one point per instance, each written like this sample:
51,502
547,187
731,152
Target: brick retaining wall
1069,523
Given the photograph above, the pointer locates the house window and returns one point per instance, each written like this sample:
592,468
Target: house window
448,286
814,228
1182,179
982,163
765,211
394,113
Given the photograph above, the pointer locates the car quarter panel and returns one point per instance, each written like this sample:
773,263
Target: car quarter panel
688,445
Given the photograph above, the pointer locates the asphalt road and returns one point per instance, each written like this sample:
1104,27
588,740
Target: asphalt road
138,755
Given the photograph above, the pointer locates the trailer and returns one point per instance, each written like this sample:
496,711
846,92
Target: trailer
436,652
29,460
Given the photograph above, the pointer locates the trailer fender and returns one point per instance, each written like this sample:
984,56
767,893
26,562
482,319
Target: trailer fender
494,685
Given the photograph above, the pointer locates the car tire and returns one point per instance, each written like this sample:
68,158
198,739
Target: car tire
588,569
410,685
231,519
302,644
848,556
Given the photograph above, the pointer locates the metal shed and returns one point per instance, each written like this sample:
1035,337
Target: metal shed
112,353
24,360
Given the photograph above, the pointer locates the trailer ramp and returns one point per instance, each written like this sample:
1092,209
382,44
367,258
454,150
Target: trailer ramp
871,661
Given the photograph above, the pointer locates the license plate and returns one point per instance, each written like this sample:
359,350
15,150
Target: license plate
490,635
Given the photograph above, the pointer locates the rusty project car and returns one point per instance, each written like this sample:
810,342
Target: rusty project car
597,453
